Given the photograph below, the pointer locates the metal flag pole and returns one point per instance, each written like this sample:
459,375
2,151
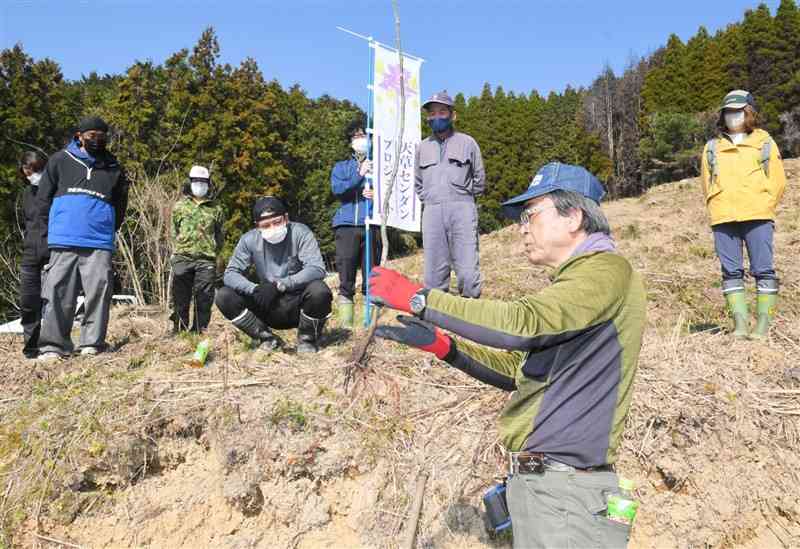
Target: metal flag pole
370,203
376,43
367,268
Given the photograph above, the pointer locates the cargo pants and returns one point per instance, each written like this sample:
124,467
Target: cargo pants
564,509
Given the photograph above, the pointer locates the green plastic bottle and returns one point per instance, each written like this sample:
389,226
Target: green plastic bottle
622,507
200,354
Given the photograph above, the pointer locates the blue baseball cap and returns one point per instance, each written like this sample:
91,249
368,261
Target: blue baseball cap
552,177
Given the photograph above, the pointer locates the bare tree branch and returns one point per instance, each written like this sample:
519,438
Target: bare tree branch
26,145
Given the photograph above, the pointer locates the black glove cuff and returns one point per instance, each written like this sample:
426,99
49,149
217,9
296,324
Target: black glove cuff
452,354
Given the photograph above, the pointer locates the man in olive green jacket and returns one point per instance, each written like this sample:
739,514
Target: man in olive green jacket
569,354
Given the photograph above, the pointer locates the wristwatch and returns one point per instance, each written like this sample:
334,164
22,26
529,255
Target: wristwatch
418,302
281,286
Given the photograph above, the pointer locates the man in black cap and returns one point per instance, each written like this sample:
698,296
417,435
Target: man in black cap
80,205
290,291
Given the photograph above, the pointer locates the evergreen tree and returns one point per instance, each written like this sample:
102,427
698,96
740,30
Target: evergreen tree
34,113
763,63
787,29
734,53
715,81
667,85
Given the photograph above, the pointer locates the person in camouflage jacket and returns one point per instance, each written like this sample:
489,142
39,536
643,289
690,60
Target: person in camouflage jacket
196,241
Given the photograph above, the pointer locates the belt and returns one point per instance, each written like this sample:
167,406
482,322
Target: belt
537,463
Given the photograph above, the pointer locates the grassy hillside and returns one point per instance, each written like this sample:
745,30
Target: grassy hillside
133,448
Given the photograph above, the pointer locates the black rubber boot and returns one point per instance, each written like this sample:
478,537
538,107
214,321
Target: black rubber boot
308,332
254,327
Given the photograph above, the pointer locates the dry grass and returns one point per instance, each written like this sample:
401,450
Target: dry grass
134,449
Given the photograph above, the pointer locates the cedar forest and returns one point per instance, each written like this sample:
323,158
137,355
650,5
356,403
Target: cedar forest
633,130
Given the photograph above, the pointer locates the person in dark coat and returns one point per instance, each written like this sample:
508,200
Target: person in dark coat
34,255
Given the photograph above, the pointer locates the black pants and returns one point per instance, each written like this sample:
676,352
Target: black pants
192,277
314,300
351,245
30,305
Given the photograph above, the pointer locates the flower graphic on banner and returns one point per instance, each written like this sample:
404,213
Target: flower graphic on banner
390,148
391,80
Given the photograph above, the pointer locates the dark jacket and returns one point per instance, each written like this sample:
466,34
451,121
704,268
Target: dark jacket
34,250
81,200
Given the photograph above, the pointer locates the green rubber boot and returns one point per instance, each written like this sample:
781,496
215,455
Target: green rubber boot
765,311
737,303
344,309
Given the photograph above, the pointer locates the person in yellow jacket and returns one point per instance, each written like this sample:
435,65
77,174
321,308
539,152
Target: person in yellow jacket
743,181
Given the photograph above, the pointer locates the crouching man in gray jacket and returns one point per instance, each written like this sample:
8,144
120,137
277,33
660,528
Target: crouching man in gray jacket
290,291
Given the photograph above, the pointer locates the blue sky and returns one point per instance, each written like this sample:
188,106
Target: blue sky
521,44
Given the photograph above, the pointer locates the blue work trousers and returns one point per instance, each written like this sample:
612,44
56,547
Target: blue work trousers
757,238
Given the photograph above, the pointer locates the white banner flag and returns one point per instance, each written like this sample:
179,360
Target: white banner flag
404,209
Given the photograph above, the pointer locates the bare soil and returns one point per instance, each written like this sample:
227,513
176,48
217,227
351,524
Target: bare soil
134,449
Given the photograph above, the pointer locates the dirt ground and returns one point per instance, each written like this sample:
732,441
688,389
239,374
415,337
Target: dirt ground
135,449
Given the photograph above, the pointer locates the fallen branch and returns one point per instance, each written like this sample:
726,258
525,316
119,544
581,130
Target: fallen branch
52,540
411,528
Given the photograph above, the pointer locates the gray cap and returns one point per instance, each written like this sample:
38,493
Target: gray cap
439,97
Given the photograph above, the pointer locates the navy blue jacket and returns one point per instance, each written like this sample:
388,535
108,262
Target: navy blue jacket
81,200
347,186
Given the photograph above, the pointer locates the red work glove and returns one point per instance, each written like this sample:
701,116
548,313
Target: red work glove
392,289
418,333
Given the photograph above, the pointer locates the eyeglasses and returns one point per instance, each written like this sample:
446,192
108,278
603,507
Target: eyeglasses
528,214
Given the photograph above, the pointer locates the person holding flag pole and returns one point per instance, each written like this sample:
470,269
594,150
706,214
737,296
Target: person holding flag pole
357,243
393,132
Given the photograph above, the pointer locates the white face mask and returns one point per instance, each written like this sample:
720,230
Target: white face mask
359,145
734,120
274,235
34,178
199,188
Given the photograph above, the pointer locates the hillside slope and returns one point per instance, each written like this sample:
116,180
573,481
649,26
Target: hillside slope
133,448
